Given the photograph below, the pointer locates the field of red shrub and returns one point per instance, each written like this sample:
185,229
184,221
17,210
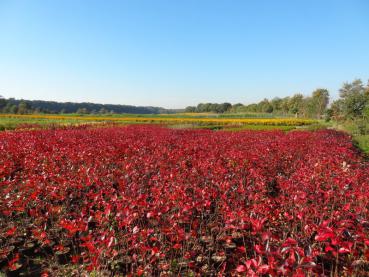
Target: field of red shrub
153,201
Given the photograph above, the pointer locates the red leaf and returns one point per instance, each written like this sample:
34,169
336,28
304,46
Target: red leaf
263,269
343,250
11,231
177,246
241,268
324,236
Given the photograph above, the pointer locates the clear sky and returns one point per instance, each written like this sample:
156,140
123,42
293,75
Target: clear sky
178,53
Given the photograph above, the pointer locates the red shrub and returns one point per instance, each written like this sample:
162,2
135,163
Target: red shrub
150,200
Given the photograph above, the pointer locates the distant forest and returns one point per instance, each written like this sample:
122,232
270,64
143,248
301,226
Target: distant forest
21,106
352,104
313,106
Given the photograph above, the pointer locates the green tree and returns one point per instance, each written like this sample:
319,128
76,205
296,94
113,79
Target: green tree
265,106
284,105
276,104
224,107
296,104
337,109
354,96
13,109
320,100
2,103
22,107
82,111
103,111
202,107
308,108
252,108
190,109
366,112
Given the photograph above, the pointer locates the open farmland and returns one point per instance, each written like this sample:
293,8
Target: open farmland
13,121
154,201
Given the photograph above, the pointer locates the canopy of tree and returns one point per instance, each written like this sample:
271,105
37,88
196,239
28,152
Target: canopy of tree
12,105
210,107
313,106
353,102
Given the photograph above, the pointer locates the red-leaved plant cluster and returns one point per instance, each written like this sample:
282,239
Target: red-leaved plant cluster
144,200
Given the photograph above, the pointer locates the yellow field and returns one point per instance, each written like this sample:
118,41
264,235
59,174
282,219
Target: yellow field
170,120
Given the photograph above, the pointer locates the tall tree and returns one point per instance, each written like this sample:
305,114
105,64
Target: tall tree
276,104
354,98
296,104
265,106
2,102
22,107
284,105
320,99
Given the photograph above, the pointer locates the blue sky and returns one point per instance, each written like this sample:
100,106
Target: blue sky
178,53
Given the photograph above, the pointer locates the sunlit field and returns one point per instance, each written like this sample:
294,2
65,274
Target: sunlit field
13,121
150,201
184,138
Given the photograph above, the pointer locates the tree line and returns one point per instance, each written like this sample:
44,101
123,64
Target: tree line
297,105
352,104
352,107
16,106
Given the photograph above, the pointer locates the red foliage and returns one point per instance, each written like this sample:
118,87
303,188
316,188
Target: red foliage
148,200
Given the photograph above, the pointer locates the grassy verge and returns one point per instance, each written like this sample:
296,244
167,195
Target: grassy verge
260,128
14,123
233,127
362,141
11,120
